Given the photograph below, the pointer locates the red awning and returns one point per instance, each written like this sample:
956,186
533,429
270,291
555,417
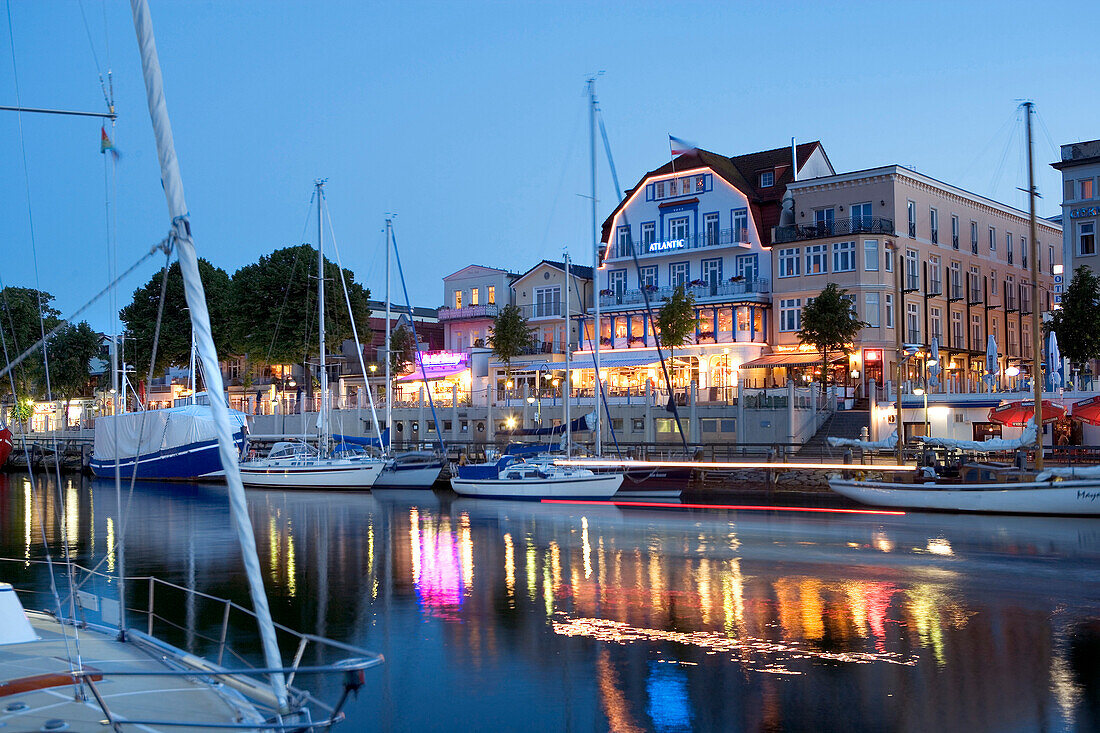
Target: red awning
1016,414
1087,410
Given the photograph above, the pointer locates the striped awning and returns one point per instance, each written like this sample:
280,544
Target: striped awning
799,359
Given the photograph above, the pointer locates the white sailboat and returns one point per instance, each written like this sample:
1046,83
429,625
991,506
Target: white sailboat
539,478
1055,491
301,466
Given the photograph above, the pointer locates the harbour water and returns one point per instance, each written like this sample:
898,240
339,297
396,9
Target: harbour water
500,615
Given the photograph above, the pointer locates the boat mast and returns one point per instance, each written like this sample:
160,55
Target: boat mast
596,381
323,434
200,324
389,386
568,425
1036,333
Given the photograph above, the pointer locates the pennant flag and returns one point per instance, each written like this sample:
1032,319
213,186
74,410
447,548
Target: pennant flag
105,142
679,147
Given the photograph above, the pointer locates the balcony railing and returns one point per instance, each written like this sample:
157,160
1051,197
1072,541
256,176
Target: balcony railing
912,230
935,287
836,228
720,290
912,282
488,310
712,238
552,309
954,241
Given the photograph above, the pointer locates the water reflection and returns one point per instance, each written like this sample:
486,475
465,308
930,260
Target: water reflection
631,619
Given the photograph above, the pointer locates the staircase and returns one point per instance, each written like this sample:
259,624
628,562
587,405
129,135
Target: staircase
841,424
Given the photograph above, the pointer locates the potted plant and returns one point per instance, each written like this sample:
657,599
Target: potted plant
697,283
607,291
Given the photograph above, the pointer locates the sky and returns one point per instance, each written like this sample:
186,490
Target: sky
468,120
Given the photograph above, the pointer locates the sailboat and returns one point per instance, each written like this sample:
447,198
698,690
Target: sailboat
539,478
411,469
1053,491
298,465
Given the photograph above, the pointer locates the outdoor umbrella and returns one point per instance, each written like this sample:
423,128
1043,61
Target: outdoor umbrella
934,370
1088,410
1054,363
990,361
1016,414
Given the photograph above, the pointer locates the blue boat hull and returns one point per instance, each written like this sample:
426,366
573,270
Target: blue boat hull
185,463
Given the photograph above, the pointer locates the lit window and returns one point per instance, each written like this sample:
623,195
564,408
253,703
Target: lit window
1086,189
458,299
474,295
491,296
817,259
789,262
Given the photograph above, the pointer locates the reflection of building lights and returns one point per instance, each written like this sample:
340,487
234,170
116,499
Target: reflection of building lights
880,541
939,546
510,570
587,548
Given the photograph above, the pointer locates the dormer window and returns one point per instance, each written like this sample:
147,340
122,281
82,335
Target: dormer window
767,178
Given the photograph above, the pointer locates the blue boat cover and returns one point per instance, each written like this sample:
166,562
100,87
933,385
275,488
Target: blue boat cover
373,442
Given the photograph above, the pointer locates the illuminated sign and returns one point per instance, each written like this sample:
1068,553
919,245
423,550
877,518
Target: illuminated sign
669,244
441,359
1087,211
872,355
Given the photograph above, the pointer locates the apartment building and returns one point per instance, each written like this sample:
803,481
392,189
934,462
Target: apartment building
1080,169
917,254
472,298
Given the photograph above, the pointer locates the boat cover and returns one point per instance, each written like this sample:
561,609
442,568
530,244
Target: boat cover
149,431
372,442
888,443
578,424
1027,439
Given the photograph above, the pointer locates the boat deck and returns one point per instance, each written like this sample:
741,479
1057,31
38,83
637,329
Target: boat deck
36,689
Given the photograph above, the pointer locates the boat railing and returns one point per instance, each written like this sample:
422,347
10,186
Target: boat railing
202,641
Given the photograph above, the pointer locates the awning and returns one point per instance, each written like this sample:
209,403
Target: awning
449,371
802,358
616,360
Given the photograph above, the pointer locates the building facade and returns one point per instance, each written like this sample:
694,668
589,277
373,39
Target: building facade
1080,169
472,298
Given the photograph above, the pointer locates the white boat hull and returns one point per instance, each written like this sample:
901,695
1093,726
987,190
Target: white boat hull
346,475
564,487
408,478
1062,497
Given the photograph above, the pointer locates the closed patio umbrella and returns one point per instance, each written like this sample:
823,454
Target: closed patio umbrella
1016,414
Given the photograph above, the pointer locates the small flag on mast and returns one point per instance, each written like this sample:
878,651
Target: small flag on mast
678,146
105,142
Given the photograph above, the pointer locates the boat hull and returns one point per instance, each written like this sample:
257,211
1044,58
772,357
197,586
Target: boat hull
408,477
185,463
654,483
1063,497
579,487
5,445
343,475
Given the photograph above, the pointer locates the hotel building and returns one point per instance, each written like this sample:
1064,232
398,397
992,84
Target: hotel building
1080,169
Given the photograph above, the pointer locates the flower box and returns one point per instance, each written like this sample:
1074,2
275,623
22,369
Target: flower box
698,283
607,291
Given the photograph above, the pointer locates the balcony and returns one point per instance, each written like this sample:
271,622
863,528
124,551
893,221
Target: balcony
489,310
935,287
912,282
837,228
552,309
713,238
758,286
954,241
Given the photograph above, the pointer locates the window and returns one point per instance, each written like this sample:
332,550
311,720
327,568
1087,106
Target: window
638,424
935,276
976,339
1086,189
1069,190
1023,253
1008,246
616,281
888,258
700,184
870,255
1050,257
957,330
649,276
790,314
712,271
912,208
746,268
936,322
817,259
673,187
1086,238
844,256
861,217
622,242
548,300
678,228
649,235
975,284
475,294
660,190
767,178
741,225
974,237
912,322
993,282
491,294
458,299
889,310
678,273
956,281
912,277
954,232
992,239
710,227
934,225
789,262
825,219
871,312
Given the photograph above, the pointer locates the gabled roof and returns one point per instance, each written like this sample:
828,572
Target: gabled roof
582,271
474,268
743,173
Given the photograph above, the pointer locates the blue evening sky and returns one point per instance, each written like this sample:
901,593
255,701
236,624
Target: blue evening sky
468,119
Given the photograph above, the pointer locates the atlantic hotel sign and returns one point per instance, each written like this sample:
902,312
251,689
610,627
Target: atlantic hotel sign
669,244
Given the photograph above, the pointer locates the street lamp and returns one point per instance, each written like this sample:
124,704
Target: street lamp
920,392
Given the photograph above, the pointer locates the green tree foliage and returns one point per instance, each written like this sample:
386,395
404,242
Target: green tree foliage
676,319
1077,322
19,311
511,335
829,324
140,317
402,346
70,350
274,315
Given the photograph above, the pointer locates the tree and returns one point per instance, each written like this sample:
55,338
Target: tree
510,337
19,322
829,323
274,315
1077,322
70,350
676,319
402,345
174,346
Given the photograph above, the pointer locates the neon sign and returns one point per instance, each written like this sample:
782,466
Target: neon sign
441,359
669,244
1087,211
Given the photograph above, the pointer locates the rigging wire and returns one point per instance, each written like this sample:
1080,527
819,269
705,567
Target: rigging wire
1004,155
107,97
286,291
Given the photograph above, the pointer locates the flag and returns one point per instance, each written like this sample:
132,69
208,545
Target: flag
678,146
105,142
